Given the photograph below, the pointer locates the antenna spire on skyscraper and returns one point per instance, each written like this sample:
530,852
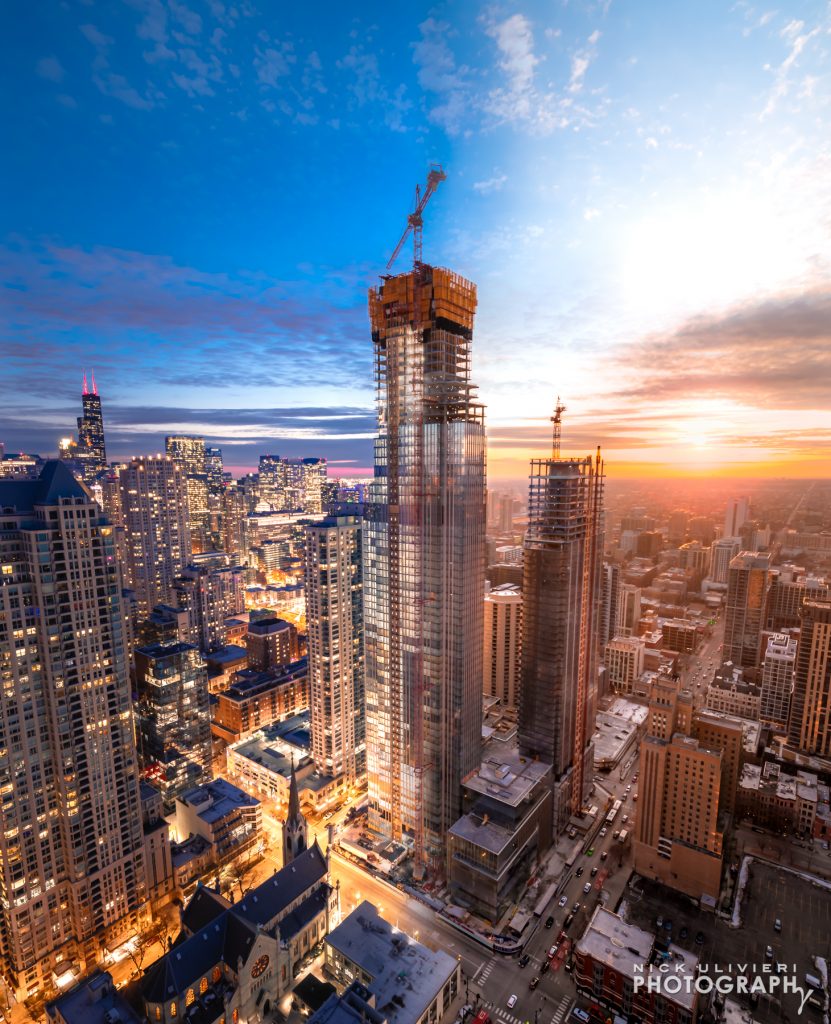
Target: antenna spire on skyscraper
86,391
94,389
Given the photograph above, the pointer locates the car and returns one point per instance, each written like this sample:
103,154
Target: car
578,872
563,901
660,922
768,952
603,832
553,951
532,984
699,938
587,887
594,871
568,920
572,833
544,966
580,1015
511,1002
628,789
777,925
604,855
616,834
328,815
684,932
624,819
575,908
635,777
524,960
590,851
549,922
634,798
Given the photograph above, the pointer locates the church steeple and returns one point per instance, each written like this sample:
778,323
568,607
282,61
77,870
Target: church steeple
295,829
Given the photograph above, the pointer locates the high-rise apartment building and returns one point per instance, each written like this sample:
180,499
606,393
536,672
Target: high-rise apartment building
736,515
789,586
609,602
91,450
678,839
423,551
503,644
291,485
154,511
190,453
173,717
722,553
271,643
71,838
212,590
748,583
624,660
334,623
628,610
560,628
777,680
809,728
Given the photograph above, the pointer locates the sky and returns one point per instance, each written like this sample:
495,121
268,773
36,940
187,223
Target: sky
197,196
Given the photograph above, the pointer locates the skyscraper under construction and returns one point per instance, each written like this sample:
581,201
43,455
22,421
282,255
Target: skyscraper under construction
561,601
423,559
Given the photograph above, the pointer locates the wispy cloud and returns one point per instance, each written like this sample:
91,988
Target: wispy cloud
50,68
493,184
797,38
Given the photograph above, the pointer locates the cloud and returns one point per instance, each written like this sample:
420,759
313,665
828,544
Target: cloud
273,65
438,74
96,37
772,354
491,184
515,42
50,68
793,33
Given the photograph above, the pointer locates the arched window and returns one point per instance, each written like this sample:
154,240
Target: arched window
235,1016
173,1009
217,976
158,1013
189,998
203,986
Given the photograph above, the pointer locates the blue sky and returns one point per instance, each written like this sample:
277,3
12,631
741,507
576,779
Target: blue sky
198,196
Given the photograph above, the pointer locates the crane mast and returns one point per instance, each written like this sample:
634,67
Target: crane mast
557,421
415,219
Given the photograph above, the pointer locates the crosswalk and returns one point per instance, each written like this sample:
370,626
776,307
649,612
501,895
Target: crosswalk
505,1015
486,970
561,1010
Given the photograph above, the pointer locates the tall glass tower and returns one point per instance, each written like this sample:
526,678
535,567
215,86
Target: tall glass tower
91,448
424,560
561,603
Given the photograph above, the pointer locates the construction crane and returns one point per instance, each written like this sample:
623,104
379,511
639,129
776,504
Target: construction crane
557,420
415,221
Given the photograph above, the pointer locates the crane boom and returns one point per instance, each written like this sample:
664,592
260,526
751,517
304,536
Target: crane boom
557,419
415,220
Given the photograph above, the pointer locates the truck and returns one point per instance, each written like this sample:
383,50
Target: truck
624,835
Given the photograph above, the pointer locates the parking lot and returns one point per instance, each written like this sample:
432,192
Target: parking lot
803,908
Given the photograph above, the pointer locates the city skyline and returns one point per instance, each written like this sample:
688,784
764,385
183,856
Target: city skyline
646,185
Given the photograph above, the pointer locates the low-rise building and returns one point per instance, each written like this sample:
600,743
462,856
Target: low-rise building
94,1000
259,698
224,664
158,866
410,983
627,971
624,660
495,846
225,816
779,800
731,694
682,635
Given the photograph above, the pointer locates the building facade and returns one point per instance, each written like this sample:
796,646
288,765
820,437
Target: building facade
71,839
777,680
503,644
423,557
746,609
173,717
809,725
154,513
335,627
561,600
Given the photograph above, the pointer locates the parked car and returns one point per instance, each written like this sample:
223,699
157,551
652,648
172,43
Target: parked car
603,832
777,925
615,834
553,951
624,819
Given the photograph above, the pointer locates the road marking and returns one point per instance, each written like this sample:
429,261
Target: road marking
561,1010
485,968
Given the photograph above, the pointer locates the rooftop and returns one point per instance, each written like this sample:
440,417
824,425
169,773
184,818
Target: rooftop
90,1001
214,800
506,776
623,947
405,976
